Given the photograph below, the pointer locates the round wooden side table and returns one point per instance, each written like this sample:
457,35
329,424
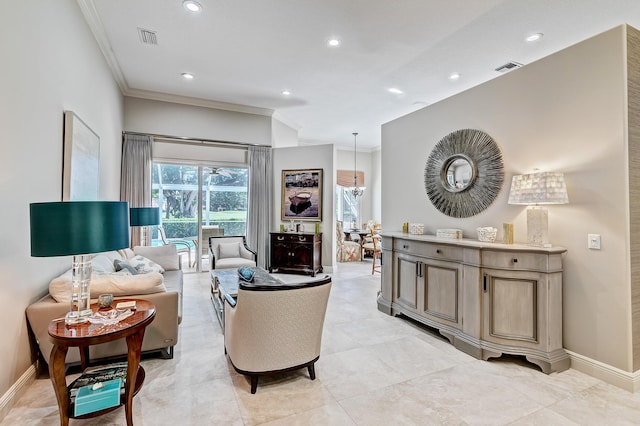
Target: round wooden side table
86,334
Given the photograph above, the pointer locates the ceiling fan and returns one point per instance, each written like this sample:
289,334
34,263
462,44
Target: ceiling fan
215,171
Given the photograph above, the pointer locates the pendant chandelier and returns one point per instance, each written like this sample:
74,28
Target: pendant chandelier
356,192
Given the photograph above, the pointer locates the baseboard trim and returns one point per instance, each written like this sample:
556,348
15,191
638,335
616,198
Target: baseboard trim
8,400
607,373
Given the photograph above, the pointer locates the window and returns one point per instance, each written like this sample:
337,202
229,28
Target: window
347,207
175,189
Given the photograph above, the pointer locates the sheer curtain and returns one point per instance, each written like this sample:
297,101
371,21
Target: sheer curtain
260,201
135,176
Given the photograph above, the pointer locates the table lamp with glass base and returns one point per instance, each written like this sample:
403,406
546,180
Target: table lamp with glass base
78,228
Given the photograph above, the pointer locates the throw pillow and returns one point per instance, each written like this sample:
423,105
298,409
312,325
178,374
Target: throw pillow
165,256
122,265
143,265
118,284
127,253
102,264
229,250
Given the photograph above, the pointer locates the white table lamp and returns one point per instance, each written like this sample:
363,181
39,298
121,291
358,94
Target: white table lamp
533,190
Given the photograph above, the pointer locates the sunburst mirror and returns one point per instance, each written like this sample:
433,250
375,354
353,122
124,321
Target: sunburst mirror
464,173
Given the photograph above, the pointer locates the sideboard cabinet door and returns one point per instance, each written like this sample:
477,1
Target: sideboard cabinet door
407,281
442,296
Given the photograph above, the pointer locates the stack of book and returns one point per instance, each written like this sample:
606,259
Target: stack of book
449,233
94,375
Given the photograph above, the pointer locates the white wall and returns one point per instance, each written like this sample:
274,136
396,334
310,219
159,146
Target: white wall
172,119
376,184
309,157
51,63
283,135
564,113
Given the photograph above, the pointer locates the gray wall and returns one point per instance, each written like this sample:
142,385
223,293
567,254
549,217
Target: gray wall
51,63
309,157
565,113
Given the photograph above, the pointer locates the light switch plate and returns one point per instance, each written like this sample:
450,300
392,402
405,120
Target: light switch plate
593,241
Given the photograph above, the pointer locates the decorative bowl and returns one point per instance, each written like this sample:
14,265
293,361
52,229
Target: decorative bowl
416,228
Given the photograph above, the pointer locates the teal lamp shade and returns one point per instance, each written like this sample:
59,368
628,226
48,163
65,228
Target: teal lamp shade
144,216
78,227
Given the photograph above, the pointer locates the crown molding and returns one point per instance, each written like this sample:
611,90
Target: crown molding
94,22
186,100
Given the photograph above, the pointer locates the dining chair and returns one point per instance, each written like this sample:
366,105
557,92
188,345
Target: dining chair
374,246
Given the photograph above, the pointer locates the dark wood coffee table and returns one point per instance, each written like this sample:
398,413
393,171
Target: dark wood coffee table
84,335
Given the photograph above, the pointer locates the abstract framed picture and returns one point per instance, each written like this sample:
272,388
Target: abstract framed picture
302,194
81,161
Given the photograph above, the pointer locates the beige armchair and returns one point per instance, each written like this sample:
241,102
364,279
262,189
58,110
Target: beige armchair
230,252
275,329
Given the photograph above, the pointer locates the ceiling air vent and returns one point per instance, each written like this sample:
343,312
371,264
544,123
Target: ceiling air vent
148,36
508,66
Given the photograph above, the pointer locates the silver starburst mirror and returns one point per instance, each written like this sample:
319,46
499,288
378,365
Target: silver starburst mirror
464,173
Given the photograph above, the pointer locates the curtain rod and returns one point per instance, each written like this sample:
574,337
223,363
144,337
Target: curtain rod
198,141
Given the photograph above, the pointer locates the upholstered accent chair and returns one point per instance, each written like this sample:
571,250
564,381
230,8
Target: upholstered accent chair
230,252
347,251
270,330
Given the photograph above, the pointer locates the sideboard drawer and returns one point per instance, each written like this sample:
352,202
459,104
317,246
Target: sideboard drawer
515,260
430,250
294,237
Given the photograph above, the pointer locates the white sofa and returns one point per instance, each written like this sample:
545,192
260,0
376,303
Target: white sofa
164,290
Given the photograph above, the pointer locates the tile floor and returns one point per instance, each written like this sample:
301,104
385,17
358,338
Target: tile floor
374,370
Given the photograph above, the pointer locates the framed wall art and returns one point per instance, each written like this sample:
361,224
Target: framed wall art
81,161
302,194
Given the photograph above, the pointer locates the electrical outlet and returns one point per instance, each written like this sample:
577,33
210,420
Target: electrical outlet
593,241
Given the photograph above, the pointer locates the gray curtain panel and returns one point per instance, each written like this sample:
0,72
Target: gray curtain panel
260,202
135,176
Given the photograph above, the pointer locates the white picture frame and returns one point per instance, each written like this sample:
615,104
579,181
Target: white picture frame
81,161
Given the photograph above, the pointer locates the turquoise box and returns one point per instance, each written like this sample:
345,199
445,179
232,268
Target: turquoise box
89,400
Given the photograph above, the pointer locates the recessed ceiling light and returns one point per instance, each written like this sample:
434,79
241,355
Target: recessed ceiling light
333,42
187,76
286,92
192,6
396,91
533,37
454,76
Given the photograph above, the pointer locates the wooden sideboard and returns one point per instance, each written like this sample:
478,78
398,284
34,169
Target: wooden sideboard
486,298
296,252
